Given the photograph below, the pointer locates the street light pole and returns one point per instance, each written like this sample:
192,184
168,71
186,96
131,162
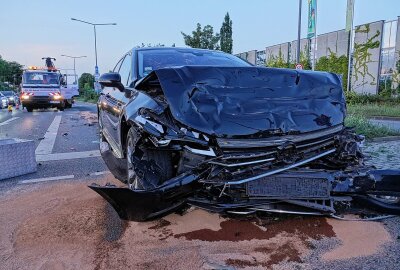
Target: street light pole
95,43
96,68
298,35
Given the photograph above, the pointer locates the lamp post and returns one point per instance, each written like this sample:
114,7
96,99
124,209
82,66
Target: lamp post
298,34
74,57
96,69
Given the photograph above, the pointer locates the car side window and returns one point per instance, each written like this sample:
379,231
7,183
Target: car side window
125,70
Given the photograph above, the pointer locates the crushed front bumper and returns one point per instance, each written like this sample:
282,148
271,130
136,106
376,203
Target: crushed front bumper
314,192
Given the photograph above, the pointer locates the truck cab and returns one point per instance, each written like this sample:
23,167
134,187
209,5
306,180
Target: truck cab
41,88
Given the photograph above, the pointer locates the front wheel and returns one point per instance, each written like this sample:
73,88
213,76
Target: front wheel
29,109
145,169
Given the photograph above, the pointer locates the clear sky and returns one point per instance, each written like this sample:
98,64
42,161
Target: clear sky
32,29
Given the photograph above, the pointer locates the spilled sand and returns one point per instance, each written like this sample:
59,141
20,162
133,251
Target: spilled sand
67,226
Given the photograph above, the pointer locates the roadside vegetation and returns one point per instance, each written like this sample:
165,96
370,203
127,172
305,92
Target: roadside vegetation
10,74
373,105
364,127
86,91
371,110
362,107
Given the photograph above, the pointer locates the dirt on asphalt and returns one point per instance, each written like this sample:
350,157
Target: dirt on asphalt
68,226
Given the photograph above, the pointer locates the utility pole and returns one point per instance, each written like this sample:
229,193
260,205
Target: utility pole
96,68
298,35
349,27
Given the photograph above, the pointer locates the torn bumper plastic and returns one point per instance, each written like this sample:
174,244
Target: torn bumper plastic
369,189
142,205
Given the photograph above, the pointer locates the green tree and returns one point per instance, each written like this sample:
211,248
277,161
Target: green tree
86,78
10,72
277,61
332,63
305,60
202,38
226,35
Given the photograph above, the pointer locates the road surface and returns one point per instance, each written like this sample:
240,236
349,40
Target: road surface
66,142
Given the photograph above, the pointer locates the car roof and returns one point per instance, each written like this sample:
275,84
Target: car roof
174,48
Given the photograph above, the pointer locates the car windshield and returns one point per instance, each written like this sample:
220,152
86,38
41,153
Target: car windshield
149,60
41,78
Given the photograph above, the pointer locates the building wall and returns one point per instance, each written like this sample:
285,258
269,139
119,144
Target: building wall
273,52
250,56
336,42
293,49
366,58
396,73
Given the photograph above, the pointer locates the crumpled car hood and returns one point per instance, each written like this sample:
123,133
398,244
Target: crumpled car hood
241,101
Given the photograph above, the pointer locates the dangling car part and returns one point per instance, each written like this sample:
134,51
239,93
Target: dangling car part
203,128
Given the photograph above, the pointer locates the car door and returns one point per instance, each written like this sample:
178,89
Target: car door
114,101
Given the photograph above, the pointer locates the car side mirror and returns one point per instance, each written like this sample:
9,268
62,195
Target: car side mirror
111,79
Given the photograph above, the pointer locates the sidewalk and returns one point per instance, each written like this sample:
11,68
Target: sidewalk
392,123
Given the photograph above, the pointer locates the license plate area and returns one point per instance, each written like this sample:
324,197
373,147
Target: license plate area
291,186
54,102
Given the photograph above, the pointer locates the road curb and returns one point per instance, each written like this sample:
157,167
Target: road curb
385,139
389,118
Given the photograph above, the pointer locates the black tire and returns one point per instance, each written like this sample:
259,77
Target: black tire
158,162
68,105
61,108
29,109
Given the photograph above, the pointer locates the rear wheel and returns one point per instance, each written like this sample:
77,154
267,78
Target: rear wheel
146,169
29,109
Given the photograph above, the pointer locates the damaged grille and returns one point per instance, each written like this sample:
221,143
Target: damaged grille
245,158
291,186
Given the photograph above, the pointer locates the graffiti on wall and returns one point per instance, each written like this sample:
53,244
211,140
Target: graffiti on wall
366,57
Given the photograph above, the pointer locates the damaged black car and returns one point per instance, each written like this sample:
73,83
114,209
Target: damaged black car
182,126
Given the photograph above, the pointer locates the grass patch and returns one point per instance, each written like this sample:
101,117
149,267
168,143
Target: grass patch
368,110
94,101
88,94
364,127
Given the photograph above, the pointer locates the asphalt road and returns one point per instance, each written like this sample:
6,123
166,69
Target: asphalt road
66,142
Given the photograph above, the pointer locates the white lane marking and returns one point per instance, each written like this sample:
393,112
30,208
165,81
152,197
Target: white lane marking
68,155
45,179
8,121
99,173
46,145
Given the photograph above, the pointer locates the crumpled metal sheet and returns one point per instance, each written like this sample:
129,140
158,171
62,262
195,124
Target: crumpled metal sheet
242,101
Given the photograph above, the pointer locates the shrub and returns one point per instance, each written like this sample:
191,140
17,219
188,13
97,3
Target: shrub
364,127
